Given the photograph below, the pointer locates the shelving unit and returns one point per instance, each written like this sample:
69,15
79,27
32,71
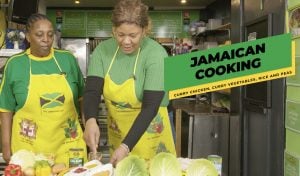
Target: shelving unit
223,28
225,91
4,55
223,32
220,34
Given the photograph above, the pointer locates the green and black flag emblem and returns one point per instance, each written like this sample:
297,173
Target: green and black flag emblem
51,100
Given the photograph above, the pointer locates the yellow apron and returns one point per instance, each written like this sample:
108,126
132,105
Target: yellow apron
48,121
123,108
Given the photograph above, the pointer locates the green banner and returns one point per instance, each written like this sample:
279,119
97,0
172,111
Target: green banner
229,66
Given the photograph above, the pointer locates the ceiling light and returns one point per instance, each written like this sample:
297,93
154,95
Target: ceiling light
77,1
182,1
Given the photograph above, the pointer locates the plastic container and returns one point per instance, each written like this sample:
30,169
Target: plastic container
217,161
208,45
214,23
200,29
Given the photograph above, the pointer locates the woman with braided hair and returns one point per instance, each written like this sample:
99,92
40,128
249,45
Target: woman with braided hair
39,97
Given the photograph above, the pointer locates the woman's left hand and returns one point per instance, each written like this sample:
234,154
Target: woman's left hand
119,154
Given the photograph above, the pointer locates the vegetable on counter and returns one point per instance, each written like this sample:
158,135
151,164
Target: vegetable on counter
23,158
131,165
201,167
13,170
58,167
35,164
42,168
165,164
29,171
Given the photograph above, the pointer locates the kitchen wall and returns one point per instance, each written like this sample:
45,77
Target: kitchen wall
96,23
292,112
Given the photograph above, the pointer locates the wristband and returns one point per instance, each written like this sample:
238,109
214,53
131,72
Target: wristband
125,147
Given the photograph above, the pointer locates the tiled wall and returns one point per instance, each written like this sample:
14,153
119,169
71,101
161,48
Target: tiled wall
292,114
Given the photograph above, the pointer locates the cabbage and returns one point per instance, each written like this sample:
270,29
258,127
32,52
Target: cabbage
201,167
131,166
165,164
24,158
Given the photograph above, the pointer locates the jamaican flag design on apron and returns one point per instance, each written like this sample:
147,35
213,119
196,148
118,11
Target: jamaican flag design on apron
123,107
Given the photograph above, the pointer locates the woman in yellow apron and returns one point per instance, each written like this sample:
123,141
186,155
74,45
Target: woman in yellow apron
128,69
40,92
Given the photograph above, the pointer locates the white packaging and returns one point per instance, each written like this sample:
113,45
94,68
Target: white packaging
214,23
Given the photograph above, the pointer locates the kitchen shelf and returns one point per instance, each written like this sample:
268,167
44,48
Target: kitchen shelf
224,91
221,34
9,52
223,28
226,26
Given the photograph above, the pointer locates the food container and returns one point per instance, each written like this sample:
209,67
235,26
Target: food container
91,168
106,170
76,157
94,156
217,161
208,45
201,29
214,23
193,30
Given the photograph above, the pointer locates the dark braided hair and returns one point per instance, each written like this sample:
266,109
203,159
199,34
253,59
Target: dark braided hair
34,18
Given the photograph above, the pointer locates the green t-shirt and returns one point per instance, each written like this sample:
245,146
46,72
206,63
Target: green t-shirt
149,70
14,91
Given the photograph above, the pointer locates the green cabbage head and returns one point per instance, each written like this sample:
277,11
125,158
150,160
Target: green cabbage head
165,164
131,166
201,167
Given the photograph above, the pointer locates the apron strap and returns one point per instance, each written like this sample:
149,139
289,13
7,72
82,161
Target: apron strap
112,61
137,57
61,72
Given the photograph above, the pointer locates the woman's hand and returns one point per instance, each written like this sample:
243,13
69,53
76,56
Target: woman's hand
120,153
6,153
6,128
91,134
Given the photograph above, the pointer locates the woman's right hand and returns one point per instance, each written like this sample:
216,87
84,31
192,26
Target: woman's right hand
91,134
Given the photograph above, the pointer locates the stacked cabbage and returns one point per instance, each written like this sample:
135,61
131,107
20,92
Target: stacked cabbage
163,164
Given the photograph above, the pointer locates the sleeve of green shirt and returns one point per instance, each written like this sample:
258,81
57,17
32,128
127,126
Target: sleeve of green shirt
154,79
80,80
95,63
7,99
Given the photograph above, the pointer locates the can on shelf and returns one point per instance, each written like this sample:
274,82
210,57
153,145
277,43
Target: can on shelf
217,161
